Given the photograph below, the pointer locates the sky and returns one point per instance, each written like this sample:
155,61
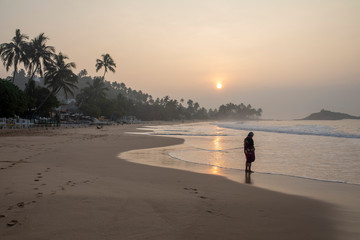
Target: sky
290,58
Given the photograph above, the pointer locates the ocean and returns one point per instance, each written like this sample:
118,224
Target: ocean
317,150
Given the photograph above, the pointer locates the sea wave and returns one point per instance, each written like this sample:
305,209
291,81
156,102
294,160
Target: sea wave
316,130
187,134
173,155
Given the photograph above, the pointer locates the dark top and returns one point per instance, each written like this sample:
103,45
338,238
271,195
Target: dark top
248,145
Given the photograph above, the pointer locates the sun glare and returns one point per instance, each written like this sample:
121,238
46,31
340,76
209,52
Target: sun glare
219,86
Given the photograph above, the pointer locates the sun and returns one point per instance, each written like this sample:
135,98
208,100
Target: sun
219,86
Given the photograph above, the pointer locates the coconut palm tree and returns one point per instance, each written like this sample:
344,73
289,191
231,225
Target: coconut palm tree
91,97
59,76
97,88
116,85
93,92
106,62
39,54
82,73
13,53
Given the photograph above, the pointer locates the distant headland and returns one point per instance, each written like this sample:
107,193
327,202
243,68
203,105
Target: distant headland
328,115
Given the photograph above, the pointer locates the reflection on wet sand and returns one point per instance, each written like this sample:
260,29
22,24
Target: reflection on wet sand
215,170
248,178
217,146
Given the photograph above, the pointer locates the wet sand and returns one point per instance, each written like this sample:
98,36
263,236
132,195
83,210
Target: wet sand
70,184
344,198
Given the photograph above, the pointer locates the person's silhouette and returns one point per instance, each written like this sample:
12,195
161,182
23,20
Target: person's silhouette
249,151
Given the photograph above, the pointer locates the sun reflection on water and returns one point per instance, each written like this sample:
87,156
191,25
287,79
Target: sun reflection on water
217,143
217,156
214,170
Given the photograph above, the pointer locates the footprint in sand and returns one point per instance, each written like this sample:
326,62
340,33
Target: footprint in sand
71,184
12,223
193,190
215,213
38,195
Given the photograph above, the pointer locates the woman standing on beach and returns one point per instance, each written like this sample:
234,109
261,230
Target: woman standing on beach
249,151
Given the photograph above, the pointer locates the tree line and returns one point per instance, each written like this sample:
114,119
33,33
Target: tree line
94,95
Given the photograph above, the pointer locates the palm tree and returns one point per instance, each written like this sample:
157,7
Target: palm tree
59,76
83,73
90,98
107,62
115,85
39,54
13,53
97,88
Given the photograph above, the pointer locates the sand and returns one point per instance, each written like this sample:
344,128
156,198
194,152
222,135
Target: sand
70,184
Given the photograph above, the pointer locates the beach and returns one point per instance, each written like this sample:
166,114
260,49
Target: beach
70,184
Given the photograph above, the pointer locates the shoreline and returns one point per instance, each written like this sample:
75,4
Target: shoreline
342,196
73,185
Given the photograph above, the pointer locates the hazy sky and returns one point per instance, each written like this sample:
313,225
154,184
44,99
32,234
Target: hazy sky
288,57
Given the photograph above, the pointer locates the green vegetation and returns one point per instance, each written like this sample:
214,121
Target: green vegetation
36,103
38,58
92,98
94,95
106,62
39,55
14,53
59,76
12,100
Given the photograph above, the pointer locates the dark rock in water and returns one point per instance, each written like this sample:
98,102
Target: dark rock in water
328,115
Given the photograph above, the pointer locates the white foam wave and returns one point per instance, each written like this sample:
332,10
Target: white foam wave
173,155
316,130
187,134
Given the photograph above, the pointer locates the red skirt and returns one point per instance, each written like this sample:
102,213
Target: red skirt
250,157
